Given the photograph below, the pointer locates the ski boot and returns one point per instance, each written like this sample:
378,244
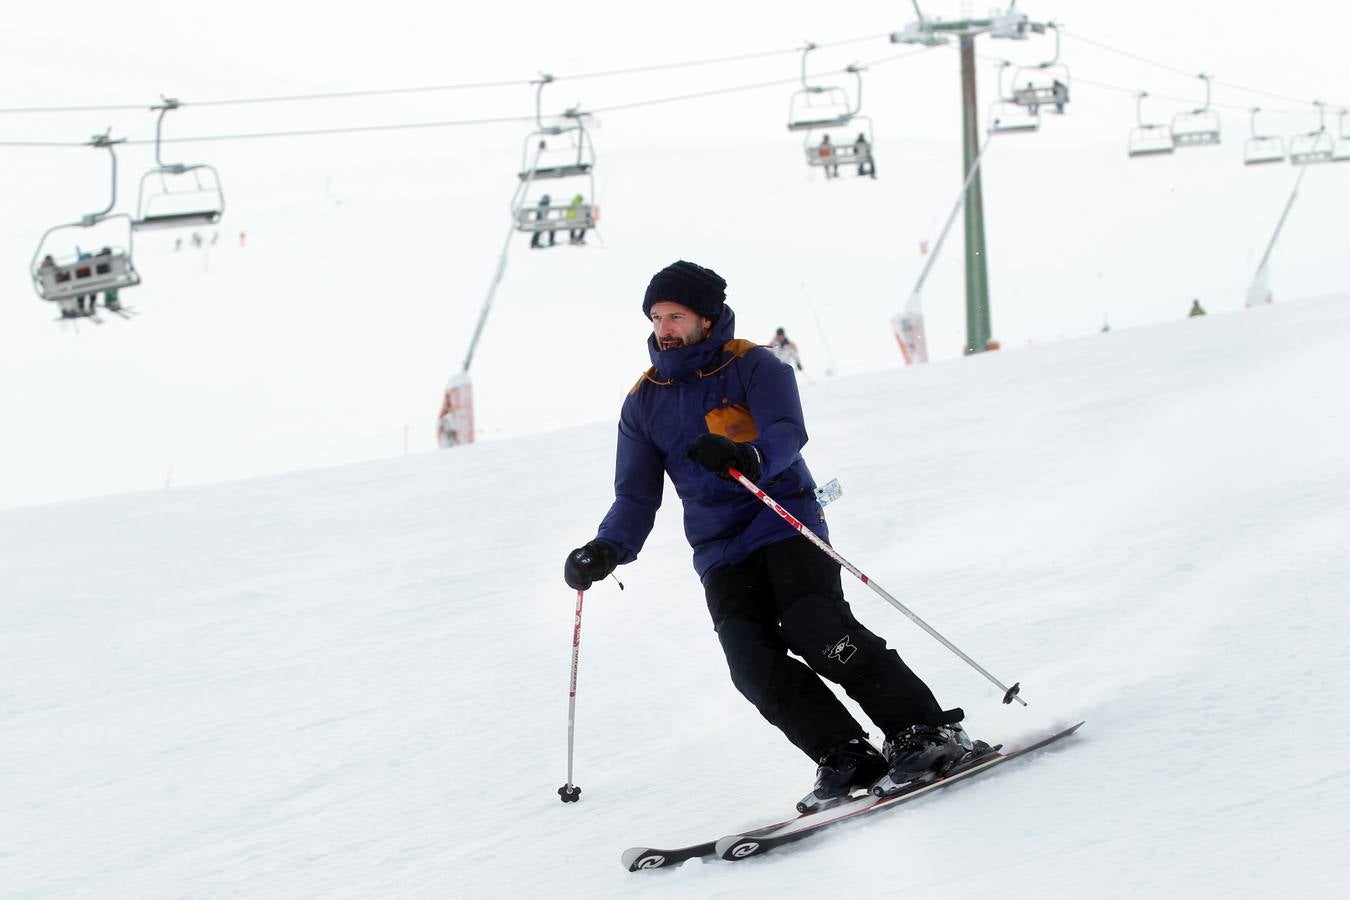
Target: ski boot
924,753
846,767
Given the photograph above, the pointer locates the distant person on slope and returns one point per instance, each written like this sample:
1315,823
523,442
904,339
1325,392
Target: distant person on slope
785,349
1196,309
710,402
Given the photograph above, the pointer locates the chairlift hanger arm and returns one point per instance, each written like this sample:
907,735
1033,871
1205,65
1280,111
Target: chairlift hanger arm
103,141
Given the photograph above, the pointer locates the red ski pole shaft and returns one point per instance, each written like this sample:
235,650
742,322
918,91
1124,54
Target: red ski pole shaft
1009,693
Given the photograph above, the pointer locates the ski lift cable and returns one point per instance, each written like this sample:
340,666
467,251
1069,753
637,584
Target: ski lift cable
1132,91
400,126
422,89
1161,65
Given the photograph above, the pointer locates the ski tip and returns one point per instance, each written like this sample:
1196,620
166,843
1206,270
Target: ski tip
635,858
738,846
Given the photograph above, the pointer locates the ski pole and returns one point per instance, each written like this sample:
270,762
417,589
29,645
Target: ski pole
569,792
1009,693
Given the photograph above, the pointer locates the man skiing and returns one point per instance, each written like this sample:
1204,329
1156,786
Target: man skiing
711,402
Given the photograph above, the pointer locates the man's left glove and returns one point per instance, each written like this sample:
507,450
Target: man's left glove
589,564
717,453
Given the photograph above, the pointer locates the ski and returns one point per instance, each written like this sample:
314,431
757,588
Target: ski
743,846
635,858
761,840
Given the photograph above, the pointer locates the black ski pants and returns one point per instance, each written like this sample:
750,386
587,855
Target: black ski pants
788,597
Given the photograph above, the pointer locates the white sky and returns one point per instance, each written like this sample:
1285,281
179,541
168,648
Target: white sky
313,349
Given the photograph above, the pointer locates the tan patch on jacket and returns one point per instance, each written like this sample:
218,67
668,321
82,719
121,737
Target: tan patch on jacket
733,421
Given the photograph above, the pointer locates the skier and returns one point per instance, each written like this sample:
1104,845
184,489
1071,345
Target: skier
785,349
544,203
710,402
826,152
1196,309
862,152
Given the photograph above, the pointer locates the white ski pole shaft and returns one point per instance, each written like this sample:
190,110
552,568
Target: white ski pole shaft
1009,693
569,792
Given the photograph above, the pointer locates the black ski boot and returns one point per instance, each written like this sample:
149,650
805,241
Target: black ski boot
844,768
924,752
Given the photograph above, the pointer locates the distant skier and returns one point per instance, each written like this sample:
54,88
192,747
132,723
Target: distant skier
574,217
710,402
862,152
785,349
1196,309
826,152
544,203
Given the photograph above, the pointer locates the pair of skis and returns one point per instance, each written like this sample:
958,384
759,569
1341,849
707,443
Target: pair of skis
761,840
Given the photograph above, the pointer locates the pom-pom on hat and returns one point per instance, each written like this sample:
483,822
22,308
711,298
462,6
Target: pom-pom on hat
688,284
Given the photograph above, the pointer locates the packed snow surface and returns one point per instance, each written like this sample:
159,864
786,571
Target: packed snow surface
352,682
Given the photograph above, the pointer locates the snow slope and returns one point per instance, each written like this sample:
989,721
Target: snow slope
352,682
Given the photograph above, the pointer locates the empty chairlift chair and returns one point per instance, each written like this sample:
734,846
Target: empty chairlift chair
1262,148
177,195
1200,126
1315,146
1149,138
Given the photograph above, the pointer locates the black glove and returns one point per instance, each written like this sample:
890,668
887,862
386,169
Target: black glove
589,564
716,453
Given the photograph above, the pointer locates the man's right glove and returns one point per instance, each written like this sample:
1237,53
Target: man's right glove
589,564
717,453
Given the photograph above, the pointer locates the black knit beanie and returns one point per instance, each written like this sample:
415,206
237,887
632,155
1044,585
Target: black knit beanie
688,284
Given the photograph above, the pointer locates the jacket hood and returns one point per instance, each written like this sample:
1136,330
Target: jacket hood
684,363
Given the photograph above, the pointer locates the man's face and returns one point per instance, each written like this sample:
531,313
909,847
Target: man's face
677,326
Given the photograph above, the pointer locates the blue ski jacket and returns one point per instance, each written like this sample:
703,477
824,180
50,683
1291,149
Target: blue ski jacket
725,386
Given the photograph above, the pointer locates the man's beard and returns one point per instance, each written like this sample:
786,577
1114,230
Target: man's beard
675,342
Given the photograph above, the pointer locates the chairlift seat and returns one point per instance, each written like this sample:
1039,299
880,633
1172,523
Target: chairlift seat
177,220
1194,138
1151,140
565,171
839,155
1038,95
87,276
561,217
1195,129
1261,150
1012,118
1315,147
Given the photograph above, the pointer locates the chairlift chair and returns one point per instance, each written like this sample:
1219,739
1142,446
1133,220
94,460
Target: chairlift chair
814,106
1013,118
1200,126
1149,138
1044,84
1262,148
541,162
65,275
1009,116
1341,151
1315,146
844,147
187,196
